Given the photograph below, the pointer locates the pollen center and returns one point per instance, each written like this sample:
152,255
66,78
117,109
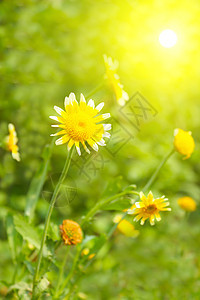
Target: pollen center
80,126
151,208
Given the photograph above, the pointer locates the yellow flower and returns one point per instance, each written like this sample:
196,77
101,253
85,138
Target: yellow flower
113,77
91,256
80,123
85,251
11,142
187,203
149,208
71,232
125,227
183,142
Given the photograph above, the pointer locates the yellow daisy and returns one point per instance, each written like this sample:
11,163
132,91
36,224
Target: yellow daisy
149,208
81,123
187,203
11,142
113,77
184,142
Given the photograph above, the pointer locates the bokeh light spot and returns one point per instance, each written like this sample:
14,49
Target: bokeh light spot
168,38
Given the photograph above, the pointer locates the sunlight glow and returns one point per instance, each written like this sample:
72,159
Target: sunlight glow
168,38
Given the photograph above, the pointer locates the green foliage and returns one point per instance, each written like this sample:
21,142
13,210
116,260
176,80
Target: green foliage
29,233
50,48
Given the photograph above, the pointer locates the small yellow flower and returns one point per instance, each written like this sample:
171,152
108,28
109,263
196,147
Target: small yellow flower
149,208
80,123
71,232
184,142
111,72
11,142
125,227
85,251
187,203
91,256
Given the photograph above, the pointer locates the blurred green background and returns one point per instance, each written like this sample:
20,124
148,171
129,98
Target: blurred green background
52,48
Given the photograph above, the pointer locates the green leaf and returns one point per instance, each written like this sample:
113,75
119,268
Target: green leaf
119,204
53,232
29,267
13,237
23,286
95,242
29,233
42,286
38,182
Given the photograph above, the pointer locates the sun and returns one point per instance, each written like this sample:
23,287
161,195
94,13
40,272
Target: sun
168,38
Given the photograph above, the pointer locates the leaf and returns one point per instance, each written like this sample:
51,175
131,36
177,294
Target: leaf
119,204
20,286
42,286
38,182
53,232
29,233
95,242
13,237
29,267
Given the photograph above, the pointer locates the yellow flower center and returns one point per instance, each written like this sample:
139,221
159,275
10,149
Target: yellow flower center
151,208
81,126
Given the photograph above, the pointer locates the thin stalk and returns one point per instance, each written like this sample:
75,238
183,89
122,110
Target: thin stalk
50,210
99,204
61,272
95,90
78,249
155,174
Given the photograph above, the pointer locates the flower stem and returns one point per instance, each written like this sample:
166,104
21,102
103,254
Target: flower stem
50,210
95,90
99,204
78,249
61,272
155,174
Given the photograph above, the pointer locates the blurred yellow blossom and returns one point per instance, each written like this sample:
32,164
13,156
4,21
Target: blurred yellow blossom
183,142
125,227
187,203
71,232
114,80
80,123
91,256
85,251
11,142
149,208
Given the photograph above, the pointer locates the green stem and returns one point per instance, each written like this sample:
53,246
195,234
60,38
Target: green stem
99,204
15,273
50,210
155,174
78,250
95,90
61,272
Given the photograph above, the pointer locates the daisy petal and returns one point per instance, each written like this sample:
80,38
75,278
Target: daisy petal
107,127
100,106
91,103
64,139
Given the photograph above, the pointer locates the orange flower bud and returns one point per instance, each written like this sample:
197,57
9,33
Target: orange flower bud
71,232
